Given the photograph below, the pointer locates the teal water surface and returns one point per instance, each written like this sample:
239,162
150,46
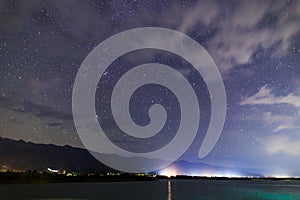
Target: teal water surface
158,190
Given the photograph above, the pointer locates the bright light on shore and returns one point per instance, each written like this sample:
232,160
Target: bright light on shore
52,170
170,171
281,176
229,174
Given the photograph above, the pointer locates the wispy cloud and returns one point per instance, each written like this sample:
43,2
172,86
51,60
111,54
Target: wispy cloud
266,97
282,122
246,28
55,124
38,110
282,144
235,30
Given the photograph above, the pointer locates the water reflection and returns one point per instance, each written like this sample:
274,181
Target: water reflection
169,190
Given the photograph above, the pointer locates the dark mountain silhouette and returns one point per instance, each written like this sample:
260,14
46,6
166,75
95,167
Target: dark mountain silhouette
191,168
20,155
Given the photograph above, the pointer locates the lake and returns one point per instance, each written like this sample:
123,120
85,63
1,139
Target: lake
158,190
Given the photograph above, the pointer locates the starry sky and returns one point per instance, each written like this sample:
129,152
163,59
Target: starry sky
255,44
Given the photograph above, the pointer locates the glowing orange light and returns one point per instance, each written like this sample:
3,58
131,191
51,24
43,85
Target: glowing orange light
171,171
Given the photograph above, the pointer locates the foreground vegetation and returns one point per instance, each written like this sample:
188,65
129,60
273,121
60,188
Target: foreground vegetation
46,177
36,177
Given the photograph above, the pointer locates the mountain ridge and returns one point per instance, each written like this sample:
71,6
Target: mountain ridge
21,155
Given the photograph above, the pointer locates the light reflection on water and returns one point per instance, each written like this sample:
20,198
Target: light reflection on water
159,190
169,190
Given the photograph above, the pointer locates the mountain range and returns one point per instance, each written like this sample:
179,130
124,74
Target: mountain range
21,155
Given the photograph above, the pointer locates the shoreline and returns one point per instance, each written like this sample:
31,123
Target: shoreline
44,178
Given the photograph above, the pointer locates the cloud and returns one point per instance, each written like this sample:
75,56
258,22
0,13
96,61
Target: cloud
39,110
55,124
282,144
236,30
204,12
282,121
250,26
45,111
266,97
15,15
232,30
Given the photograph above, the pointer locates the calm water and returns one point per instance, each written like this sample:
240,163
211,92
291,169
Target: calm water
158,190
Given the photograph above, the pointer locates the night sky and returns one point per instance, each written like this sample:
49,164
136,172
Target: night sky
255,44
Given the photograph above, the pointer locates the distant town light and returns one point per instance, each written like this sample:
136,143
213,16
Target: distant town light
169,172
281,176
52,170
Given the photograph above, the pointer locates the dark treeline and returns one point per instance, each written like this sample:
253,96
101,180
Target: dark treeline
46,177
